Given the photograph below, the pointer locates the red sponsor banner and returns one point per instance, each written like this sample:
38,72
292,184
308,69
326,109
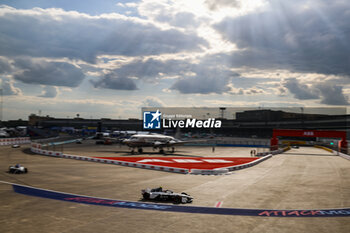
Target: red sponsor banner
186,163
309,133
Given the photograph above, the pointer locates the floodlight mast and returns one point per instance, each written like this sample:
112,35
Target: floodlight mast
1,103
222,109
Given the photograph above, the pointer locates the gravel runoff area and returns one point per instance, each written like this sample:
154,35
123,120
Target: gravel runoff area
305,178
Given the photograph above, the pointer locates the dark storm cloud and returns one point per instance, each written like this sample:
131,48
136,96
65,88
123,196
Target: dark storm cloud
4,65
328,93
203,77
332,94
149,70
113,81
208,78
300,91
304,36
152,69
56,33
48,73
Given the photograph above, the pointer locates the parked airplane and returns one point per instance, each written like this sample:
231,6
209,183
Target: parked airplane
153,140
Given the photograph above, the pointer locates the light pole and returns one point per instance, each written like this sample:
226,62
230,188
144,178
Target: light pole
302,117
1,105
222,109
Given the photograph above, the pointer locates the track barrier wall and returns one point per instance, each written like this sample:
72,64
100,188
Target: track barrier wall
38,149
61,196
345,156
274,152
324,148
226,170
13,141
234,142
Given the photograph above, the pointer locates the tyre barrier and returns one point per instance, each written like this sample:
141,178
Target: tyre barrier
13,141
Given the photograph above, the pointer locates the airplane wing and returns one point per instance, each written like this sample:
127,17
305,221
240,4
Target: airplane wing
173,143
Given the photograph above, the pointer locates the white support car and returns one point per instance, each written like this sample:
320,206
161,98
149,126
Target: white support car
159,194
17,169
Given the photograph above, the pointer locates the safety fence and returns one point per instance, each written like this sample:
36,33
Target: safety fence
13,141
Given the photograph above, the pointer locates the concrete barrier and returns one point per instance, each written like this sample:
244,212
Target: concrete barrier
253,163
275,152
218,171
345,156
37,148
324,148
128,164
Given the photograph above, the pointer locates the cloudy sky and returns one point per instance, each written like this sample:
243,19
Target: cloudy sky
110,58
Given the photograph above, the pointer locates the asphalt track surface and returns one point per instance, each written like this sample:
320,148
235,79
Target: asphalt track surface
305,178
61,196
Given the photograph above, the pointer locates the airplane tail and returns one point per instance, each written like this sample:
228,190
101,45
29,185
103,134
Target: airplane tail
178,133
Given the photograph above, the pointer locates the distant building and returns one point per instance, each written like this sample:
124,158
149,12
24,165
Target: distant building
81,123
253,123
270,115
14,123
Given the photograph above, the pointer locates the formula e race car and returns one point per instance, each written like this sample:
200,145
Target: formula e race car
17,169
159,194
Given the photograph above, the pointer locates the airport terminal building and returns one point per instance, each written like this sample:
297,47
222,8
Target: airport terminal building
251,123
